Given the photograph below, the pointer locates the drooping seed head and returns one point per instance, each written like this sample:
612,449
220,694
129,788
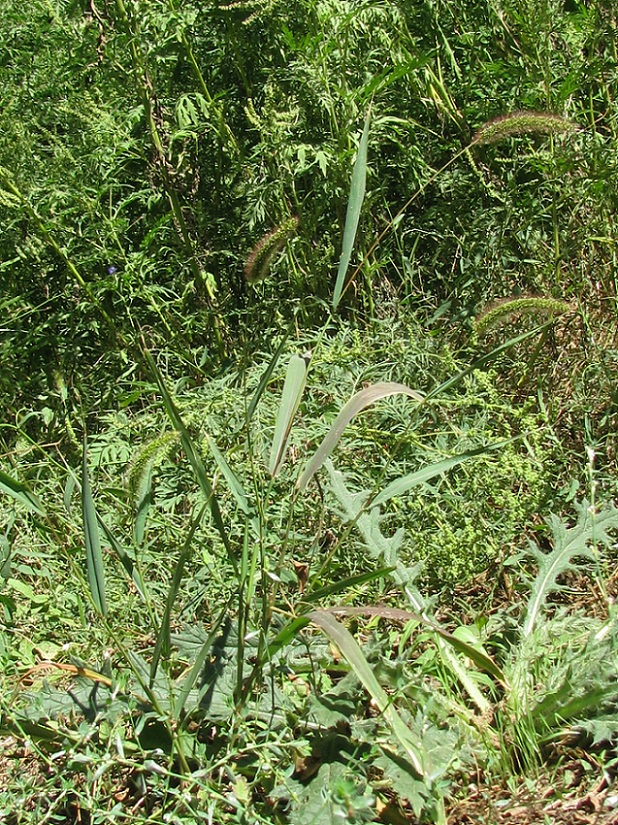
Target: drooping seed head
520,123
264,252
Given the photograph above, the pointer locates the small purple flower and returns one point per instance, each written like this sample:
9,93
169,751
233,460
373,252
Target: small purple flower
111,269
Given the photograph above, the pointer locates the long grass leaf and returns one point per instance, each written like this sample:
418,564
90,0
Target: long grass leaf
192,454
198,665
347,645
346,584
362,399
230,476
162,644
94,556
20,491
400,486
263,383
475,654
355,203
293,387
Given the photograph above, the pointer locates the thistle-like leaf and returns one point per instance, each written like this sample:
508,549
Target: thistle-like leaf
568,544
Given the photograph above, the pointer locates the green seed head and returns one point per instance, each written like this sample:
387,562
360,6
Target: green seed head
520,123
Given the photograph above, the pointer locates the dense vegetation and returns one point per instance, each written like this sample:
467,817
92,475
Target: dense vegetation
308,394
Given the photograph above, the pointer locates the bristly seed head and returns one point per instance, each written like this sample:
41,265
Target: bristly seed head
520,123
503,309
264,252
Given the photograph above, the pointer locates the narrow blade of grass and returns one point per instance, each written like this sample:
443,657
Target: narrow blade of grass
356,404
263,383
355,203
295,380
192,454
162,644
94,556
347,645
345,584
198,664
20,491
401,485
479,657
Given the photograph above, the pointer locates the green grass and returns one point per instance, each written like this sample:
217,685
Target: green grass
308,368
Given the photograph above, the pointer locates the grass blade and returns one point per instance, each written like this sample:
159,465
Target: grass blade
20,491
295,380
356,404
163,643
346,643
475,654
94,557
401,485
355,202
265,378
192,454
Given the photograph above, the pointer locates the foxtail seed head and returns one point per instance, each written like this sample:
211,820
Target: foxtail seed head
501,311
264,252
520,123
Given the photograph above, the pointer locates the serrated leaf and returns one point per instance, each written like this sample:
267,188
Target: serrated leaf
568,543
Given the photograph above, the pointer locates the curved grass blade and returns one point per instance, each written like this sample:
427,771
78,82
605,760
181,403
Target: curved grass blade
163,643
265,378
355,202
198,664
295,380
356,404
345,584
401,485
193,455
346,643
94,557
475,654
20,491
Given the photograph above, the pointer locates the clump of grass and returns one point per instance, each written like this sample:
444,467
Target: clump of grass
264,252
520,123
502,310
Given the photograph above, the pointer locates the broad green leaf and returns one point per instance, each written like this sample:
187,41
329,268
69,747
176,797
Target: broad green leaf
20,491
94,557
356,404
347,645
293,388
355,202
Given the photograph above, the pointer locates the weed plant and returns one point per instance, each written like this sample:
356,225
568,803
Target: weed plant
204,587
